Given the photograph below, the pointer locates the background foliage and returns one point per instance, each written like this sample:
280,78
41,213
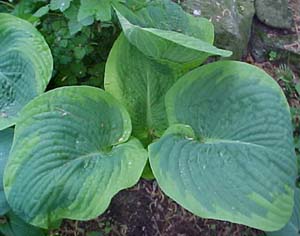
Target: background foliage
79,41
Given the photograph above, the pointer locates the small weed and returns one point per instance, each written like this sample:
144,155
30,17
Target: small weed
94,233
287,76
273,55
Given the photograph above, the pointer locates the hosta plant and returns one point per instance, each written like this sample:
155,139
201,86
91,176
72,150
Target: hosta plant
80,154
218,137
25,66
229,132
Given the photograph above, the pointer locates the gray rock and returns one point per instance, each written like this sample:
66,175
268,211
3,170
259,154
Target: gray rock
232,20
275,13
283,44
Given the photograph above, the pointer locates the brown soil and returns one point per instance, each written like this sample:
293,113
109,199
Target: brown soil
145,211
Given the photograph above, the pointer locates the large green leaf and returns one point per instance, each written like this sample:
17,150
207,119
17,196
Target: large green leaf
164,32
25,66
6,139
15,226
71,154
292,228
228,153
140,84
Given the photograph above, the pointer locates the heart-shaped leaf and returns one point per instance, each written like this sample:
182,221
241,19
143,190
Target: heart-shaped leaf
71,154
6,139
25,66
164,32
140,84
292,228
229,152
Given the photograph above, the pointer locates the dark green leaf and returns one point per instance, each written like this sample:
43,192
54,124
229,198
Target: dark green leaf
6,139
74,25
15,226
297,87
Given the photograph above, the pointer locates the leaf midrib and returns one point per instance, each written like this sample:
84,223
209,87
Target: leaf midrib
228,141
148,103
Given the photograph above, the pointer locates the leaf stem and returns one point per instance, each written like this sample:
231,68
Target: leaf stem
7,4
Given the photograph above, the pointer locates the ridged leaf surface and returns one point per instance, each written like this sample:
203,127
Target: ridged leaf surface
6,139
229,151
292,228
71,154
15,226
25,66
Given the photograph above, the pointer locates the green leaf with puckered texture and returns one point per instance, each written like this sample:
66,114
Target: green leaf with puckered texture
15,226
164,32
140,84
25,66
71,154
292,228
228,153
6,139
